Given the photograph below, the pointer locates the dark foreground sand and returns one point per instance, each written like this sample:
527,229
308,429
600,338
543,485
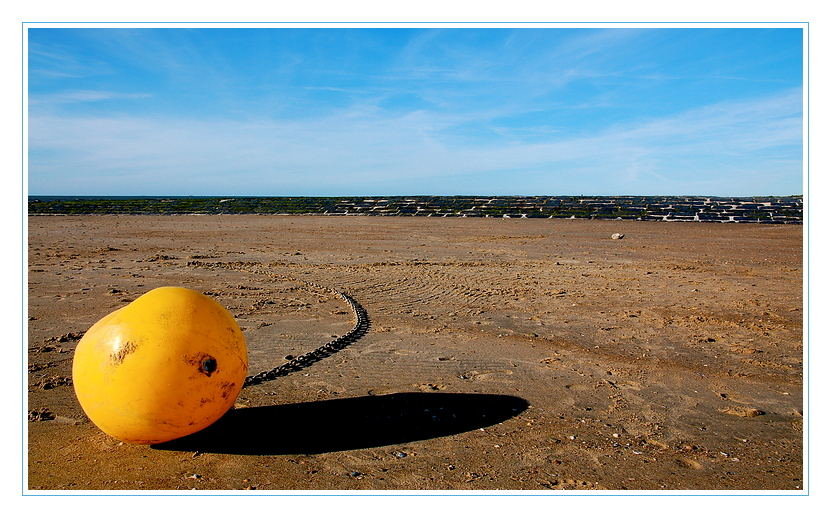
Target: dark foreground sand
502,354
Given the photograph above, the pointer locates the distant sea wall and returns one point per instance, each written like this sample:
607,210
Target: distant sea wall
772,209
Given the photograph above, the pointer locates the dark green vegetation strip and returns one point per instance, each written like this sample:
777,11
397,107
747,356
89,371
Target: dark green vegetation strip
772,209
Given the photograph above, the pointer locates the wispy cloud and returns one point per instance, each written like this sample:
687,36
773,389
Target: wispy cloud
370,152
80,96
57,62
493,111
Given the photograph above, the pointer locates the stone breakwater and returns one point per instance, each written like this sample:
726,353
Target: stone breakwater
759,209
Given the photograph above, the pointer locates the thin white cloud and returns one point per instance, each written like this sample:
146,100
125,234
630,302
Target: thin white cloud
367,151
80,96
60,62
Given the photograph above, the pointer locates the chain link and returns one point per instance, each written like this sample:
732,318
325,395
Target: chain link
360,328
295,364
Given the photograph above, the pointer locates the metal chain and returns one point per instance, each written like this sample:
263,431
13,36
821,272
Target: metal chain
295,364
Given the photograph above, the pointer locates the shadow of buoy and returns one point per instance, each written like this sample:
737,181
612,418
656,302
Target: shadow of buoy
348,424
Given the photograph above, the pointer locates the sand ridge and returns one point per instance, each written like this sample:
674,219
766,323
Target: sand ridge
503,354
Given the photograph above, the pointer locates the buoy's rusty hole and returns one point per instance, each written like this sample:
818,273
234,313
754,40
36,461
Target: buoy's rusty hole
208,366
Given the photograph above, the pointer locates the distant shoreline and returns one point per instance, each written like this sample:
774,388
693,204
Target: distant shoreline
757,209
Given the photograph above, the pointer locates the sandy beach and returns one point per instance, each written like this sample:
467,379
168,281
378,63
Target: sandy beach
515,354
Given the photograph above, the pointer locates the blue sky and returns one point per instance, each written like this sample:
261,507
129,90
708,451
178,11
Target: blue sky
395,111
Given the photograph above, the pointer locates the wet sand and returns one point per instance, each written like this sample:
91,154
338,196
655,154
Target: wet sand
512,354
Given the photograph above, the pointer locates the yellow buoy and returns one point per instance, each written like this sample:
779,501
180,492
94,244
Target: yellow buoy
167,365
